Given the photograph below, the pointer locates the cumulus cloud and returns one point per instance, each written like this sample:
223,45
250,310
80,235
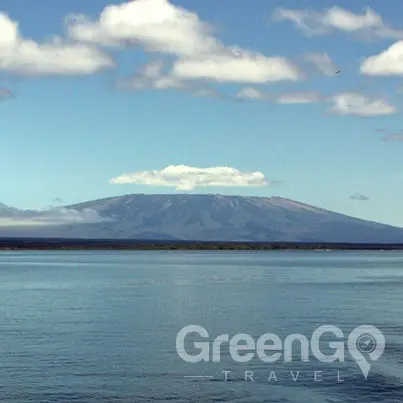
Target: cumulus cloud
250,93
323,63
183,177
350,103
368,23
299,98
156,25
159,26
347,103
152,76
387,63
56,57
244,67
11,217
359,196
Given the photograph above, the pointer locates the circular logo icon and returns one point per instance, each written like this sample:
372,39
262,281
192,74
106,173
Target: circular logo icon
366,343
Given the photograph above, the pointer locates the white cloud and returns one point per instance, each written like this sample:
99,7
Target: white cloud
347,103
184,177
387,63
27,57
228,67
55,216
156,25
251,94
323,63
350,103
299,98
159,26
152,76
367,23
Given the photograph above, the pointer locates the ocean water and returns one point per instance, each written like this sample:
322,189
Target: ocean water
102,326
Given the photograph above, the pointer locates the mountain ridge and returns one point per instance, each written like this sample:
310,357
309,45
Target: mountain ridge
205,217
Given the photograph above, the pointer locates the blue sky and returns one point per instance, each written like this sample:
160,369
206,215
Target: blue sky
102,102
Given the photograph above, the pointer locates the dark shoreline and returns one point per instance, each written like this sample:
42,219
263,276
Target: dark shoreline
107,244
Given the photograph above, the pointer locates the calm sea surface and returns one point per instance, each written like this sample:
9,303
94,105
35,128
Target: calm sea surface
102,326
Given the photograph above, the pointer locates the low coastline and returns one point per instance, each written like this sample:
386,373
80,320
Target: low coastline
7,244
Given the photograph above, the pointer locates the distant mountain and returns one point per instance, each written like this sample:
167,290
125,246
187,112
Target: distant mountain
206,217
